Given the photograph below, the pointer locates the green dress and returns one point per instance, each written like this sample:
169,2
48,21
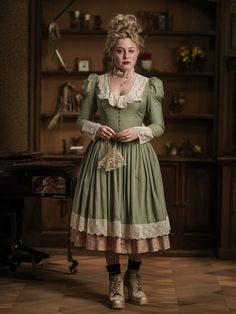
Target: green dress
121,209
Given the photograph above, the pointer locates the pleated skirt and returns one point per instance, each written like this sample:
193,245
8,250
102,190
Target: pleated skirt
122,210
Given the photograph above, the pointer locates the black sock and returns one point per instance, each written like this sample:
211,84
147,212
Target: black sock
113,269
134,265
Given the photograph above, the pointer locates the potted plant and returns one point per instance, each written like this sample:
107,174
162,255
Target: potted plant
146,60
189,57
172,148
189,149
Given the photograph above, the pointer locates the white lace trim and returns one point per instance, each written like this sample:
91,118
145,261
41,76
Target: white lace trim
144,133
135,93
116,229
90,128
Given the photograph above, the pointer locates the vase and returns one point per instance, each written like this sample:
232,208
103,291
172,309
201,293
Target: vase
173,151
146,65
190,66
186,153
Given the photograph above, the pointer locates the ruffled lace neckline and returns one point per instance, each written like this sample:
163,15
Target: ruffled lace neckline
134,94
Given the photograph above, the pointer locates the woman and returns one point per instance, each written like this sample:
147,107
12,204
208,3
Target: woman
119,204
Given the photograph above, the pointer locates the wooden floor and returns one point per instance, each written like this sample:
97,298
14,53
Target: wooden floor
173,285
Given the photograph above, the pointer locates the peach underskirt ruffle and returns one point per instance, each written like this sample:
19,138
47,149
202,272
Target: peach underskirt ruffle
118,245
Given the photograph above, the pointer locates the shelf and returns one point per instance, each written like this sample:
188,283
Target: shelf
177,117
182,33
64,73
160,157
74,31
183,159
174,116
182,74
68,157
231,158
148,74
180,116
48,115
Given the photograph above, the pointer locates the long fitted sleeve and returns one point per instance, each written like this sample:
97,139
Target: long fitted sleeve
154,108
89,107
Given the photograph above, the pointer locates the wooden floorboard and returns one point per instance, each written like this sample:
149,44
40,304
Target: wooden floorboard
183,285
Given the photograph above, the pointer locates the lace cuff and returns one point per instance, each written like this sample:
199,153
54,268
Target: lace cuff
144,133
90,128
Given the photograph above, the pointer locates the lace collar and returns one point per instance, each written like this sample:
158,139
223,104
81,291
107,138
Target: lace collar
134,94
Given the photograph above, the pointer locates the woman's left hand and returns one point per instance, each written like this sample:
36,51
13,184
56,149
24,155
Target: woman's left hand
127,135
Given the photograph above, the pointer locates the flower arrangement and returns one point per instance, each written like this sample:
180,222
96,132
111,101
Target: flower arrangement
186,148
172,148
146,61
146,55
170,145
190,56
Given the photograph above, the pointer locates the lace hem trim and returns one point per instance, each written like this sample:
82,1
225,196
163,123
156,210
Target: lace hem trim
144,133
116,229
135,93
118,245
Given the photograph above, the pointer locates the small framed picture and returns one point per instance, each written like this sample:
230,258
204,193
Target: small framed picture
83,65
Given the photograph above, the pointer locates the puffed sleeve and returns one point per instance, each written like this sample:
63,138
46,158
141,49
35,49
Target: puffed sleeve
88,107
154,108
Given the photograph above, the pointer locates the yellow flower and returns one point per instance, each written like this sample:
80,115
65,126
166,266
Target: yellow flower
197,52
189,54
197,148
170,145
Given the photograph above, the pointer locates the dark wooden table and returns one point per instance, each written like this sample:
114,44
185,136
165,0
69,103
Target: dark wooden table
30,174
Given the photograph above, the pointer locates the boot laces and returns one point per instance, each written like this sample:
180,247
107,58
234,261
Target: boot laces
138,283
115,286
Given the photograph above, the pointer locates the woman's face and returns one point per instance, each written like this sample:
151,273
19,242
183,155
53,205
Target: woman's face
124,54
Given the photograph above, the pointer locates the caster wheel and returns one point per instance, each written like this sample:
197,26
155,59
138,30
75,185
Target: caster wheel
72,268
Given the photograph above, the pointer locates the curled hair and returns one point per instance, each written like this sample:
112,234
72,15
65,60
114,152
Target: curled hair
123,26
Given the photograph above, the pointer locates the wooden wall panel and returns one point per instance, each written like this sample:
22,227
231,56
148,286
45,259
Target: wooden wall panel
170,174
199,206
14,75
233,220
227,245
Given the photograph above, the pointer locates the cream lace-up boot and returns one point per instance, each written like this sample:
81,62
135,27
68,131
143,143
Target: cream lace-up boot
116,292
133,284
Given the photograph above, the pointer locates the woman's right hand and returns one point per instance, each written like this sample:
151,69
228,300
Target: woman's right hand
105,132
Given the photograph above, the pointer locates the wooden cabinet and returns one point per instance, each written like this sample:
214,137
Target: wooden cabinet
227,133
227,247
192,213
227,81
190,190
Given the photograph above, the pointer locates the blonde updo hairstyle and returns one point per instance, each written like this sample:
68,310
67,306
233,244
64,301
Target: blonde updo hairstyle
123,26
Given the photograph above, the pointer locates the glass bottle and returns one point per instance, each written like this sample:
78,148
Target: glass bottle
75,19
87,21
